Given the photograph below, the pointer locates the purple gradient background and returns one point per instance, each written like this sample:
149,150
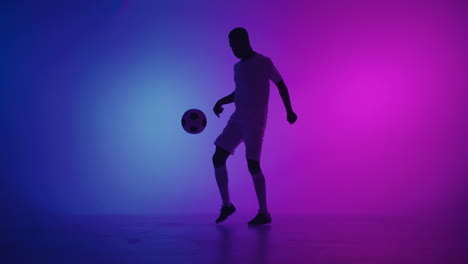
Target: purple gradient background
93,94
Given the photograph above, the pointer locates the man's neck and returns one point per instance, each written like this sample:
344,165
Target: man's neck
248,55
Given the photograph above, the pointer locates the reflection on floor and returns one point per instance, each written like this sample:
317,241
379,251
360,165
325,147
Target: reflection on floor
196,239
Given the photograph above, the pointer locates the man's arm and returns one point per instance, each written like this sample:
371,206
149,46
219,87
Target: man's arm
226,100
283,91
218,108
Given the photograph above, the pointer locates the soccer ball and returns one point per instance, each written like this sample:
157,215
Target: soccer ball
193,121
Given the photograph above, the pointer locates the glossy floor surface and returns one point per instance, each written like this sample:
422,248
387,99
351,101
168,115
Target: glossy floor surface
196,239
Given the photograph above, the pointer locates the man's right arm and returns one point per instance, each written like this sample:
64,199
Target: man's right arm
226,100
218,108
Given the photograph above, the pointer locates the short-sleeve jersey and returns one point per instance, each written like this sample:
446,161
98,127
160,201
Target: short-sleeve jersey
252,78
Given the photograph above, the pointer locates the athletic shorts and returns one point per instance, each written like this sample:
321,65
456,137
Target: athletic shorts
236,132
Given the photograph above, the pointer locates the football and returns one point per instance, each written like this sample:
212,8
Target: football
194,121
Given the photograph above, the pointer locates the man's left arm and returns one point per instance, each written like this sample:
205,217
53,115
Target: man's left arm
283,91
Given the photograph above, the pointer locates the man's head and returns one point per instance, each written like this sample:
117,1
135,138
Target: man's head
239,42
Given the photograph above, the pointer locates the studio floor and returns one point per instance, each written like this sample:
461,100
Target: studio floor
196,239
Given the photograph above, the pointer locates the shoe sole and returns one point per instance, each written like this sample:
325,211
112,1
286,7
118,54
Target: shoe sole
269,222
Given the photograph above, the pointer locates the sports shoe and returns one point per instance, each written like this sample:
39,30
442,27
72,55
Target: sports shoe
261,219
225,212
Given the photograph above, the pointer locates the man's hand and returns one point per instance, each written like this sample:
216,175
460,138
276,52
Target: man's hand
292,117
218,109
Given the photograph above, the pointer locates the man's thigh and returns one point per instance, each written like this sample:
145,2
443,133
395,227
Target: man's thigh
231,137
253,139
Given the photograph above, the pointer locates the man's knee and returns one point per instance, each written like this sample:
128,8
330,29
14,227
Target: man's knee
220,157
254,166
218,161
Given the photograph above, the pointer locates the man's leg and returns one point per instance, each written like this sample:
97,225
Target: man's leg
226,143
259,184
253,138
219,163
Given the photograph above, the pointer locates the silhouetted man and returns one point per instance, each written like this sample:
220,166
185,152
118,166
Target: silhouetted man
252,75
